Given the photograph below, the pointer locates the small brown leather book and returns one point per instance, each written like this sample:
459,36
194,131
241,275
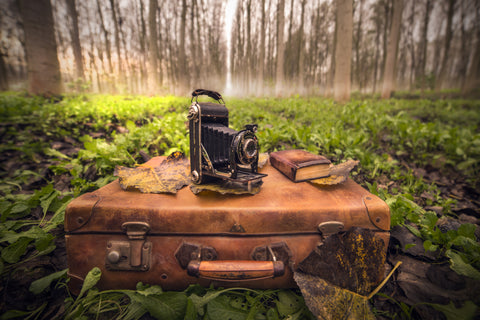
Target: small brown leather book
300,165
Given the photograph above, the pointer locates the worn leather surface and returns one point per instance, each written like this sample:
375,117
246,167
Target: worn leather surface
234,225
281,207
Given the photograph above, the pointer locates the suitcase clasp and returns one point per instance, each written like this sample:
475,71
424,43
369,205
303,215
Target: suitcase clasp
131,255
330,227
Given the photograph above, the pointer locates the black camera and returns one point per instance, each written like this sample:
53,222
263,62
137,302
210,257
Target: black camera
217,151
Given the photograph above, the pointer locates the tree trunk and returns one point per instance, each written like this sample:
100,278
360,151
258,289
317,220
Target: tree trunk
377,52
77,49
358,40
107,40
343,51
40,48
117,39
194,74
248,56
448,39
152,46
462,69
280,47
199,46
424,44
331,71
182,55
261,58
161,45
411,21
300,51
391,62
143,48
473,74
471,82
3,74
91,55
386,24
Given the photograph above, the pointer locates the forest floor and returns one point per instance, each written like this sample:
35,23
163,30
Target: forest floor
35,156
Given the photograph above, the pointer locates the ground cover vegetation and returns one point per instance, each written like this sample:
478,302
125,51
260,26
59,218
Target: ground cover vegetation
421,156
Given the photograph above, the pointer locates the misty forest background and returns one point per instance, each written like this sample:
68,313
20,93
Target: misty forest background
265,47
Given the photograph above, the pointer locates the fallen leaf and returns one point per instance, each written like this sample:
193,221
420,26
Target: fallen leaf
327,301
169,177
262,159
338,173
336,278
353,260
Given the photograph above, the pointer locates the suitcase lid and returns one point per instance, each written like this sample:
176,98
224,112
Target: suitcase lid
281,207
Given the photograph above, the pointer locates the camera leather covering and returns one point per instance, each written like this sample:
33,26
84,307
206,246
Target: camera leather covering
254,241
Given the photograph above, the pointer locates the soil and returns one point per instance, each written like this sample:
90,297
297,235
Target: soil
422,278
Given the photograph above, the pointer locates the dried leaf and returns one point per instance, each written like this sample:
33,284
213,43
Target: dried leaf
169,177
336,277
327,301
227,187
338,173
262,159
353,260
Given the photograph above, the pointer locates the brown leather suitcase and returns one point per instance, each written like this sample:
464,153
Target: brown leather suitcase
226,240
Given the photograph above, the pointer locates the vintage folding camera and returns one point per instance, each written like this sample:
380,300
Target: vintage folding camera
217,151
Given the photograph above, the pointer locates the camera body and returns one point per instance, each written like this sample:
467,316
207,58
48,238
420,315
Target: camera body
217,151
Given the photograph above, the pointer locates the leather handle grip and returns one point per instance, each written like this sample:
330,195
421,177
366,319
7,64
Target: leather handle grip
235,270
202,92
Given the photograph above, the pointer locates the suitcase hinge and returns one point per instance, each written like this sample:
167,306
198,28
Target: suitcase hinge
131,255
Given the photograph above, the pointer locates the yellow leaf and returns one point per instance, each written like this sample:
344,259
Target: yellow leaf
338,173
169,177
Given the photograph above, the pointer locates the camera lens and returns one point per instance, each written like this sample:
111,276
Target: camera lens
250,148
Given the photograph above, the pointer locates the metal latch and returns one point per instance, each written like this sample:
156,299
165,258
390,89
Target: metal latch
131,255
330,227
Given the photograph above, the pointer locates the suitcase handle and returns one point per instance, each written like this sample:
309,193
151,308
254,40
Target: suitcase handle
235,270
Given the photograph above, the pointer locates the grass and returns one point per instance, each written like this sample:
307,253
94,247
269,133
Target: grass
390,138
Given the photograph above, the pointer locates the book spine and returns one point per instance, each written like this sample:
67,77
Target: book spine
284,167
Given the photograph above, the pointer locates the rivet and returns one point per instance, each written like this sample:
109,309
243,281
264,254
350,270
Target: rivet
164,276
113,257
377,219
79,220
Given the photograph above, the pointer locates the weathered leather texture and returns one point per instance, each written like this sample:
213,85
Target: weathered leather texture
233,225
